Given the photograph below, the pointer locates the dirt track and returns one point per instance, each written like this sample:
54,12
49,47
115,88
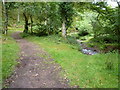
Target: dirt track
35,69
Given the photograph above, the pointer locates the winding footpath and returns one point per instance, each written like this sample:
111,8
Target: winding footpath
35,69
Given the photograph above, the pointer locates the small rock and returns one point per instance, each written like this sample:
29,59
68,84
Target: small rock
35,75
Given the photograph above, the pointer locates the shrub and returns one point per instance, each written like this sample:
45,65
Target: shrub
76,36
42,30
83,33
60,33
71,40
110,39
112,63
23,35
105,39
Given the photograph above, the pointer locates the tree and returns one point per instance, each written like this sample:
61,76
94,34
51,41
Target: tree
28,12
46,18
26,22
5,13
106,18
17,6
66,12
7,7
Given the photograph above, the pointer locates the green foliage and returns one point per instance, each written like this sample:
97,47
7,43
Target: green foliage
74,35
98,71
83,33
101,20
9,5
85,23
107,19
110,64
71,40
40,30
43,30
97,18
23,35
66,12
106,39
48,22
87,71
104,43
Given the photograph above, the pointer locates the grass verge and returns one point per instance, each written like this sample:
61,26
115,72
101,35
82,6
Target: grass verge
10,51
85,71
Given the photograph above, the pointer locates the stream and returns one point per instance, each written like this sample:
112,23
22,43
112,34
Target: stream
88,51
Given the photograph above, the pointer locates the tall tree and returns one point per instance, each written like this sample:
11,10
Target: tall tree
66,12
47,18
27,13
5,13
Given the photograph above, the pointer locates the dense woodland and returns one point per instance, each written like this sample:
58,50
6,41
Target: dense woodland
96,19
95,24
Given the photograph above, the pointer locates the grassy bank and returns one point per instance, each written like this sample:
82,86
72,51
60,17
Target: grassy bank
97,71
0,63
10,51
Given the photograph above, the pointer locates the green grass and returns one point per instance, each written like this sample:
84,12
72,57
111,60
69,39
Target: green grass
10,51
16,28
0,63
97,71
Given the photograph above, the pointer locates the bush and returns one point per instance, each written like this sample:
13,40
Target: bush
83,33
60,33
23,35
110,39
110,63
42,30
76,36
106,39
84,27
71,40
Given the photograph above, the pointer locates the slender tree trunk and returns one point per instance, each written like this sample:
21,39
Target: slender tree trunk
26,23
18,17
63,29
118,31
6,18
31,23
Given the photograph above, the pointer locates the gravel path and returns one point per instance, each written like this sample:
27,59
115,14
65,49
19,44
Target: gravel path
35,69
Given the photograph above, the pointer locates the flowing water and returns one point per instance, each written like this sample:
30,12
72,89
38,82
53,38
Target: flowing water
86,50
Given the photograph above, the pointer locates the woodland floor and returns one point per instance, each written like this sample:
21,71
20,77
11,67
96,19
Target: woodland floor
34,70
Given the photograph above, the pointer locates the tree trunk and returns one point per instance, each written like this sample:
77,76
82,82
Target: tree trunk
18,17
26,23
118,2
63,29
118,31
6,18
31,23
